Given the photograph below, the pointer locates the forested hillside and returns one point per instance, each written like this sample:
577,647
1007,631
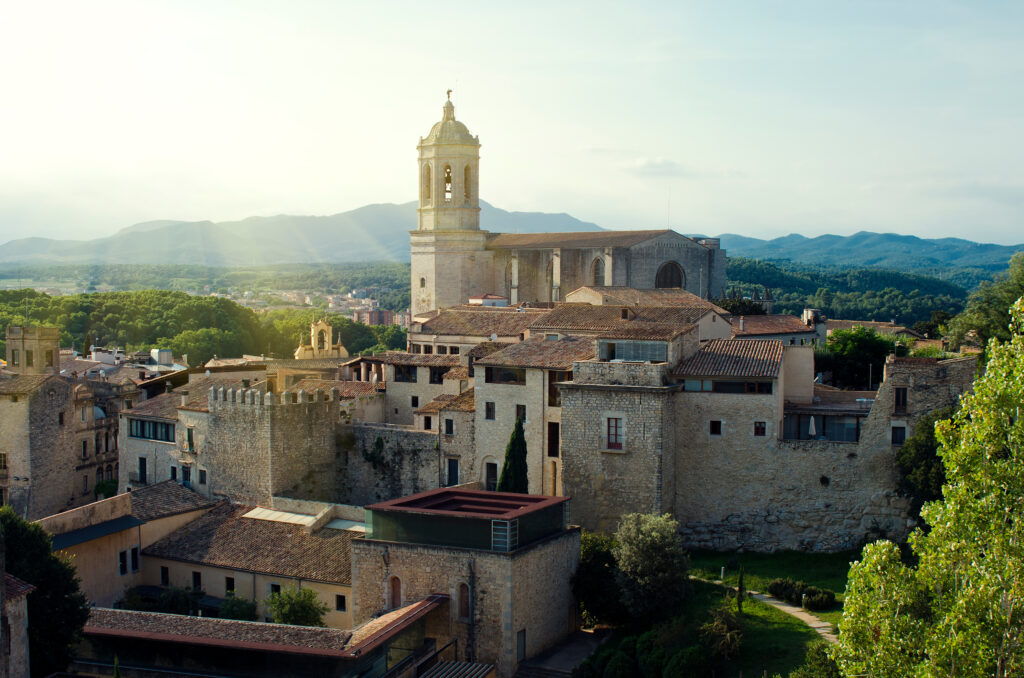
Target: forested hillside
200,327
853,293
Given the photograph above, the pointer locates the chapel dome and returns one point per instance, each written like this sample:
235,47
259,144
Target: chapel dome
450,130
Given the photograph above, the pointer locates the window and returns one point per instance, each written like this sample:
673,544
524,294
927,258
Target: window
85,449
28,358
186,475
447,186
760,428
614,428
900,397
453,350
3,461
197,581
202,476
437,373
555,393
427,423
491,476
142,470
165,576
520,412
463,600
423,283
60,418
229,584
669,276
128,404
554,439
174,473
716,427
899,435
84,410
453,472
511,376
14,356
428,349
633,351
340,603
597,271
135,559
466,183
85,484
521,645
150,430
441,350
275,588
488,410
190,441
49,358
394,593
99,475
405,374
449,427
122,562
414,401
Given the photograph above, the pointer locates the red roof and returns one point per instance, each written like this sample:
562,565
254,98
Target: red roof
734,358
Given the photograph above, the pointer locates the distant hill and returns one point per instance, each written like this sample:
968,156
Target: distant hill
883,250
370,233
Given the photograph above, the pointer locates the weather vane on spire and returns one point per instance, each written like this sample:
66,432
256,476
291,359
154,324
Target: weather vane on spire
449,95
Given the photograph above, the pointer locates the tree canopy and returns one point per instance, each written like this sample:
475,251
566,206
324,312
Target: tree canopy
987,307
856,357
957,610
513,473
57,610
301,607
652,564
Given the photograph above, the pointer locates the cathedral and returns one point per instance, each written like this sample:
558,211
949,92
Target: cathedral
453,259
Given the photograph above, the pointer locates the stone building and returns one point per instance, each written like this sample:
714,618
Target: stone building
321,343
453,259
14,659
504,560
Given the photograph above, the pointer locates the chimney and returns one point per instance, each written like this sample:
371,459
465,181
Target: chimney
741,323
245,383
184,398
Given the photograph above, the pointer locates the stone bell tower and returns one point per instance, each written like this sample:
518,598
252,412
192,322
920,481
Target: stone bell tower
448,250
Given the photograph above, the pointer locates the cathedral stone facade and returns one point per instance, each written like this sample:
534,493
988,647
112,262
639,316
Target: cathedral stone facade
453,259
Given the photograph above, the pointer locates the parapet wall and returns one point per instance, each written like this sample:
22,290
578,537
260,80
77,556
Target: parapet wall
406,461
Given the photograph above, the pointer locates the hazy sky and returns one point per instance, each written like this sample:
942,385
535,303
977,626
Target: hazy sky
761,118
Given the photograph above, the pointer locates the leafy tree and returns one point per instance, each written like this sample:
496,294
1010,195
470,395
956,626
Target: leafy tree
594,583
513,473
652,564
296,606
817,664
986,311
234,607
57,610
922,473
957,611
856,357
740,306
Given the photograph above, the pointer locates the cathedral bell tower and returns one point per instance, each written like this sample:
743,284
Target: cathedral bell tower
448,250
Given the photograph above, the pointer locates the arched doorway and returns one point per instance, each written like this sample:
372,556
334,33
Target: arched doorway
394,593
669,276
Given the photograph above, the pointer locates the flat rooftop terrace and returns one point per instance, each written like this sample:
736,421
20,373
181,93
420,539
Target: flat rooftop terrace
469,504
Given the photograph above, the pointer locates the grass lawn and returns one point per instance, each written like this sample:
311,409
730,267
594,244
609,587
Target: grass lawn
773,641
824,570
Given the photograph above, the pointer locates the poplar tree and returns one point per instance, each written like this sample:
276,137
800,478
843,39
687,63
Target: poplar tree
513,472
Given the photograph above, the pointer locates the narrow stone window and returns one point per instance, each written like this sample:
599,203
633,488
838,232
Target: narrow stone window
463,600
716,427
423,283
597,274
447,183
425,187
760,428
466,179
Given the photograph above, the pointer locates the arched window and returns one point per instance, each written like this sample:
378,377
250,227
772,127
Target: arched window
110,472
321,340
463,598
99,475
394,593
447,183
425,186
598,271
669,276
423,283
466,178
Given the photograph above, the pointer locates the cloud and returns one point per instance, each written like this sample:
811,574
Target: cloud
659,167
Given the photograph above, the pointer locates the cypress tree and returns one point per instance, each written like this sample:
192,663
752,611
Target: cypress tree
513,472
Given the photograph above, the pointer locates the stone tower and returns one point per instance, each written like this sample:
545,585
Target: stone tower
449,259
33,350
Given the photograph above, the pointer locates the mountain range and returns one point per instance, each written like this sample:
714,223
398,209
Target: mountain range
381,233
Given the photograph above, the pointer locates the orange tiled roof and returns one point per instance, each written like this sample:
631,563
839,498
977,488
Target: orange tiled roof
483,321
542,353
15,588
754,325
464,402
418,359
663,322
346,389
734,358
166,499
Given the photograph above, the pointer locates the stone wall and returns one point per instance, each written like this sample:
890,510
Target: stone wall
16,612
460,445
492,435
527,589
409,462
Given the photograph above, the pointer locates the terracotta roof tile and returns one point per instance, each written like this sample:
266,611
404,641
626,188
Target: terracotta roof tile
630,296
734,358
578,239
163,406
437,404
15,588
15,384
542,354
464,402
419,359
754,325
486,348
482,321
346,389
460,372
166,499
607,321
223,538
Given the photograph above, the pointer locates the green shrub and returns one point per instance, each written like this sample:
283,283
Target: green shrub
722,636
620,666
795,592
234,607
685,662
817,664
818,599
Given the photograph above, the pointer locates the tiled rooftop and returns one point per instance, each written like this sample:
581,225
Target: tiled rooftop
163,406
482,321
166,499
15,384
486,348
754,325
572,240
460,372
437,404
15,588
542,353
630,296
224,538
734,358
418,359
346,389
464,402
661,322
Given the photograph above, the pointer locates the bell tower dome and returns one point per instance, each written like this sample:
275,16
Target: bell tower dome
450,261
449,176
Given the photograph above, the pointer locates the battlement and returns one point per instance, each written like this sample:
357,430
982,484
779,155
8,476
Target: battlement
220,397
34,332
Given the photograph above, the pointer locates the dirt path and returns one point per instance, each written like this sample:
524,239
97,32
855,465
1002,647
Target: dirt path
823,628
